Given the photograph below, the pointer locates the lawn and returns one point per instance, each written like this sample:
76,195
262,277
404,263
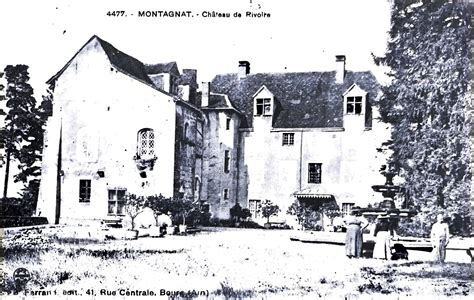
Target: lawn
222,262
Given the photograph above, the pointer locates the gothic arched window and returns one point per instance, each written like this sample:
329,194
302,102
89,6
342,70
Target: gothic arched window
146,143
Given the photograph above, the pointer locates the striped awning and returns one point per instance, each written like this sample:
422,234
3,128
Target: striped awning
318,196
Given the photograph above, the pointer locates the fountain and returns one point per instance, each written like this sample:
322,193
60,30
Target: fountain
387,207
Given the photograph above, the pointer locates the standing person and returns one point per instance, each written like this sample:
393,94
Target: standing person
382,238
440,238
354,239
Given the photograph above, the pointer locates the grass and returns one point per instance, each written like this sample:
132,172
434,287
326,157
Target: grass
232,264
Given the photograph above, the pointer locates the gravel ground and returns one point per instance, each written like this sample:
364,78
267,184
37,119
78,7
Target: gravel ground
233,263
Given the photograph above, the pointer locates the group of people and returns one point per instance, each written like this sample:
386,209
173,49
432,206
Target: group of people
383,229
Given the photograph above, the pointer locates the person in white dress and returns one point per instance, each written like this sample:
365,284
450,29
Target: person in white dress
440,238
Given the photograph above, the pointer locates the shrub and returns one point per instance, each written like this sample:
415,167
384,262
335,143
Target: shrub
269,209
16,207
134,206
307,216
238,213
159,205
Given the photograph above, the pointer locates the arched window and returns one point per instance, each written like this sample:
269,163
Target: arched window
146,143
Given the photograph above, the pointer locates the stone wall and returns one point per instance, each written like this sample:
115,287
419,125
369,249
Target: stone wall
218,139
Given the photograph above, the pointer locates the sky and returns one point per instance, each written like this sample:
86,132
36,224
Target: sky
299,35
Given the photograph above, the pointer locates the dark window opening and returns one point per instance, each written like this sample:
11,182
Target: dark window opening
263,106
288,139
314,173
227,124
226,161
84,190
354,105
226,194
116,202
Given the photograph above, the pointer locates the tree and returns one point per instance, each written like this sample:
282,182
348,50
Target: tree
330,209
181,208
159,205
19,118
238,213
134,206
2,113
22,134
309,215
269,209
298,210
427,105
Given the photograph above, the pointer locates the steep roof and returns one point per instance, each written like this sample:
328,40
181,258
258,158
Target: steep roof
125,62
170,67
302,100
120,60
217,101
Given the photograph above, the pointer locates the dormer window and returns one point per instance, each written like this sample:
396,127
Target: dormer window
263,102
354,105
355,101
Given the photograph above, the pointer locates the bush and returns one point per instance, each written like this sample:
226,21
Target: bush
413,227
249,224
22,221
216,222
237,213
16,207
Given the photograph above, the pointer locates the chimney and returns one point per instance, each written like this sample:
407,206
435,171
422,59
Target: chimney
244,69
205,90
340,68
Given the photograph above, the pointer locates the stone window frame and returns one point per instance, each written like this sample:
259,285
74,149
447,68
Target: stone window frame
85,190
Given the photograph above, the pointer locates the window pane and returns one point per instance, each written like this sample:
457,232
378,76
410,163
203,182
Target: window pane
267,108
111,207
358,108
259,109
121,194
112,194
350,108
120,206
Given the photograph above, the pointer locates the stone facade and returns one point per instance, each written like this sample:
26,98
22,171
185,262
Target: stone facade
121,126
113,130
310,136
